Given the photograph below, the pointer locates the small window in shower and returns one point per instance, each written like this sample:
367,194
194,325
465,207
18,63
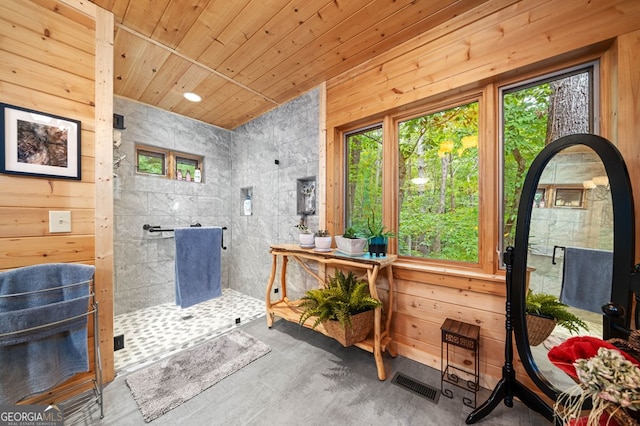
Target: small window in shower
151,162
169,164
188,167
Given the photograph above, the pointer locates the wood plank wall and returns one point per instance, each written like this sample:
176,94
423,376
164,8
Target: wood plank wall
471,53
48,51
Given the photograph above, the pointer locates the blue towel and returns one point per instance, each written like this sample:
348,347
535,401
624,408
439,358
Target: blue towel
34,361
586,278
38,318
198,260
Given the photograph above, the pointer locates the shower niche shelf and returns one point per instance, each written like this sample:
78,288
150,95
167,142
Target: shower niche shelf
306,200
246,201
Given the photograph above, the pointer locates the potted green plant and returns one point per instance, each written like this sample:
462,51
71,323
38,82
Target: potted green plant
377,235
323,240
306,236
349,242
544,312
344,307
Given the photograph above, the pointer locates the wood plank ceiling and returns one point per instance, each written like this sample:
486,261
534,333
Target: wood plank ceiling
246,57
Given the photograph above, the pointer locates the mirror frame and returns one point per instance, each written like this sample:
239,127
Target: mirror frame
623,245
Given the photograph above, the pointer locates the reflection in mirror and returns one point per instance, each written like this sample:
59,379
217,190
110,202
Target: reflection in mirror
575,223
570,247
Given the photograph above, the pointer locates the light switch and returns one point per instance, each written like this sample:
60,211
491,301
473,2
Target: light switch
59,221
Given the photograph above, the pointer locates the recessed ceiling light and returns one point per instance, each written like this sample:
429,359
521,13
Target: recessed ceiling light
192,97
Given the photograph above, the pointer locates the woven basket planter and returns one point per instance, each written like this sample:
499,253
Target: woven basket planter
361,325
539,328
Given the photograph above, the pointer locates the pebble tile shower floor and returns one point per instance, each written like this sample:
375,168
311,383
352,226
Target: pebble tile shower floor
159,331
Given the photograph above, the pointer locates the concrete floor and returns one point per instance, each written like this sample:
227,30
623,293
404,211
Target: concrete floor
308,378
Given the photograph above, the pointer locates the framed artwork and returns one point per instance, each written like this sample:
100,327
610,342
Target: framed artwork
39,144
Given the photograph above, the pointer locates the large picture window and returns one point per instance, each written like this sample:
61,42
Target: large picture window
535,113
438,185
364,176
437,182
441,182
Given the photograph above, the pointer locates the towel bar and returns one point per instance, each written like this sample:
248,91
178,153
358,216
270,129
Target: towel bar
158,228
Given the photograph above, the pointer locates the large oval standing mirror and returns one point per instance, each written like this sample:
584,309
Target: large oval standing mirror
569,255
574,240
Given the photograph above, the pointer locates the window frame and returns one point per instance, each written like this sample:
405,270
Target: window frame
170,161
573,188
390,178
198,159
533,78
151,152
434,108
345,135
489,156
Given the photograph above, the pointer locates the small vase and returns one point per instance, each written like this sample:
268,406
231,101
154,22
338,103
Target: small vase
323,243
306,240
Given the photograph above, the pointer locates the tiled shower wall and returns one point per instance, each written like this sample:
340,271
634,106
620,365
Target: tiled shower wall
289,137
144,262
243,158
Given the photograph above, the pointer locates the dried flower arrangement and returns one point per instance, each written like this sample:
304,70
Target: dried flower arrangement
609,378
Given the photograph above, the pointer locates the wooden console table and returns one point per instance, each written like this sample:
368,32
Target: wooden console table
287,309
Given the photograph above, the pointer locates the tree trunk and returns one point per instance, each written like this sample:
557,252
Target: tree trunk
403,172
568,107
355,149
444,165
514,198
442,203
452,197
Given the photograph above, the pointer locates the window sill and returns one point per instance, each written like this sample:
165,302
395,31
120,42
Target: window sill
451,277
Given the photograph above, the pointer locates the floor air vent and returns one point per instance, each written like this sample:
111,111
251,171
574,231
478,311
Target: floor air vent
416,387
